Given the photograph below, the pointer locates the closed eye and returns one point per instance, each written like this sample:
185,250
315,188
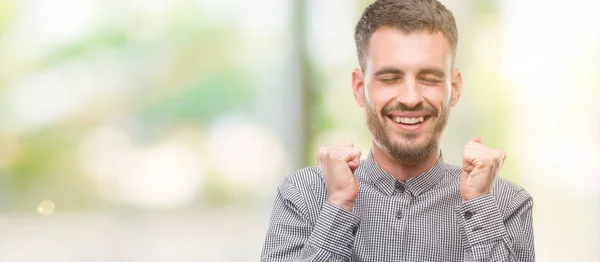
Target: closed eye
430,81
389,80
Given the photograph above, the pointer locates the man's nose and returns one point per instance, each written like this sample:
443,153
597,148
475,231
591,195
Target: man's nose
409,93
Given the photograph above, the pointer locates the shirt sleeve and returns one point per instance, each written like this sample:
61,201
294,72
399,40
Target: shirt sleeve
292,236
493,235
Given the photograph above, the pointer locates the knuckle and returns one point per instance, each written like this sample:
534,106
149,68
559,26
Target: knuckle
322,150
502,154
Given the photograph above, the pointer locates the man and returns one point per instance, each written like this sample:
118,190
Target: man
402,203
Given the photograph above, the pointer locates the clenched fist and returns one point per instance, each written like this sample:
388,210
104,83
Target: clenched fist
480,167
338,163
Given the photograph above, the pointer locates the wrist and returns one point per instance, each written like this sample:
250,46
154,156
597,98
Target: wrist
467,197
345,204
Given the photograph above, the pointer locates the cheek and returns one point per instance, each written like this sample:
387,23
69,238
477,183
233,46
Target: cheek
378,98
437,97
372,99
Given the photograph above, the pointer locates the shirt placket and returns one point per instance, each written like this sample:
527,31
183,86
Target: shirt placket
402,201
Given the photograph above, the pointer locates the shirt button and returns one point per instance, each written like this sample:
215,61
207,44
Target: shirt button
468,215
400,187
399,214
354,230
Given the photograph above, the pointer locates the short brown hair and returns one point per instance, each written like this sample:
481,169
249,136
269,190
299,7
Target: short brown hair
405,15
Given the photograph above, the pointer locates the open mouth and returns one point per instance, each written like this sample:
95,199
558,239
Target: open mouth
409,123
409,120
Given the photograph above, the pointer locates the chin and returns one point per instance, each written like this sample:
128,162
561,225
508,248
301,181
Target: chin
414,140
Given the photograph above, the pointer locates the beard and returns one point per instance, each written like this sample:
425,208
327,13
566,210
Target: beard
407,150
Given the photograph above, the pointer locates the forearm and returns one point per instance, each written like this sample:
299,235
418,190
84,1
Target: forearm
331,238
335,231
296,234
491,236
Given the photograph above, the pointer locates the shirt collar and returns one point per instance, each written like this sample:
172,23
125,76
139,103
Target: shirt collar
386,183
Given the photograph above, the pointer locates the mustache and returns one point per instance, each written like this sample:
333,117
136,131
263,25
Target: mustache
399,107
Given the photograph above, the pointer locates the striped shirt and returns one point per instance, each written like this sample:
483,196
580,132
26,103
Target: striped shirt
422,219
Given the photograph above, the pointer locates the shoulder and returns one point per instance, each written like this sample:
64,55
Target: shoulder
509,194
305,176
307,182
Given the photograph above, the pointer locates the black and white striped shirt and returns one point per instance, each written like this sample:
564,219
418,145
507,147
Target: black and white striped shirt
422,219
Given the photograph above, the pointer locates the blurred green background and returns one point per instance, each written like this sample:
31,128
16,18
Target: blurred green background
158,130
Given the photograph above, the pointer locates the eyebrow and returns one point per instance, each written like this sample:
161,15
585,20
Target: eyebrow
433,71
388,70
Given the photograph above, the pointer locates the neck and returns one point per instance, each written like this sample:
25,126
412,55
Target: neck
403,171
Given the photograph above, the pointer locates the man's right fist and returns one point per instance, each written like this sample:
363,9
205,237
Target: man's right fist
338,163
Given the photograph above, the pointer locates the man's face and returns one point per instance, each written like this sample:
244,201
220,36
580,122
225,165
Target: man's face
407,90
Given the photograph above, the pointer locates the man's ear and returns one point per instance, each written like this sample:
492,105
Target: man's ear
456,86
358,86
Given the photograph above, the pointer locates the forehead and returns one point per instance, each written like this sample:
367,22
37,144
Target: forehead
389,47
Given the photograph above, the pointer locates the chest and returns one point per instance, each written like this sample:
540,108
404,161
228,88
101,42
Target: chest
403,227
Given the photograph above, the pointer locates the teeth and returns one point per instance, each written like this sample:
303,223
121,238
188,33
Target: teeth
408,120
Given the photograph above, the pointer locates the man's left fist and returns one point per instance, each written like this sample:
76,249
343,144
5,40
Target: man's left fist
480,167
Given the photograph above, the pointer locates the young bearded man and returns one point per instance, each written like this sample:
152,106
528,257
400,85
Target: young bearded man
403,202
